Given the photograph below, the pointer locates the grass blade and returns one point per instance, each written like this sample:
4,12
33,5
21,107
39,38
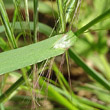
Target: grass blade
8,29
96,76
71,10
28,55
61,13
101,17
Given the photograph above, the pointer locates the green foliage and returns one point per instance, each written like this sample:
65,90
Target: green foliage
8,29
40,53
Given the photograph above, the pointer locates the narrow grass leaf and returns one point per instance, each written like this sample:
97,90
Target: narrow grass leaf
61,13
95,75
8,29
98,19
35,19
71,10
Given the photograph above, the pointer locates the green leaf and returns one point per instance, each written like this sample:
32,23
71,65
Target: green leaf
61,13
71,10
8,29
95,75
31,54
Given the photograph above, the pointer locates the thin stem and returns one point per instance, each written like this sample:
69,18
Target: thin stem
68,68
27,16
35,20
26,10
35,67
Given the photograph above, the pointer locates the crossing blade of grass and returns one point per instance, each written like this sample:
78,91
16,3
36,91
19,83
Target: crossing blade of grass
8,29
28,55
96,76
43,28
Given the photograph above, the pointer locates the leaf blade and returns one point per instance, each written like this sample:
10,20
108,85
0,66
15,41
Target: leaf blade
95,75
